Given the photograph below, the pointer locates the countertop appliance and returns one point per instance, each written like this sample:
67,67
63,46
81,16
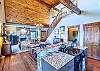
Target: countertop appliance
79,58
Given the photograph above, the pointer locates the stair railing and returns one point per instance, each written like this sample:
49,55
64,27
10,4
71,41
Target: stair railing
58,18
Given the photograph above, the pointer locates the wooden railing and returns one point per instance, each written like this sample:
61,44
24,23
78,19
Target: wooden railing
54,23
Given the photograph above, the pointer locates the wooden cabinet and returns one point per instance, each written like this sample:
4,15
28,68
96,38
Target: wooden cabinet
6,50
92,34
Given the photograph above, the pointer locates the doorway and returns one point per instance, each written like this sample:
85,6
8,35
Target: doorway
43,35
73,32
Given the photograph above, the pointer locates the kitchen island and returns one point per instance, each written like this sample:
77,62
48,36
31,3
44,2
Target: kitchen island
58,61
51,59
41,52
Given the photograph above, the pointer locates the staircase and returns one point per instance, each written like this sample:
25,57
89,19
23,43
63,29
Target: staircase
57,19
55,22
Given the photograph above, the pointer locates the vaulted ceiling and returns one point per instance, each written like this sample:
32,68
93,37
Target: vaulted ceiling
32,11
28,11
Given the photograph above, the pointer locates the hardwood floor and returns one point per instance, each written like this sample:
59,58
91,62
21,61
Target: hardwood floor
93,65
25,62
19,62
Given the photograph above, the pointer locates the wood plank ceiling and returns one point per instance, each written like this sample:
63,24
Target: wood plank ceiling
28,11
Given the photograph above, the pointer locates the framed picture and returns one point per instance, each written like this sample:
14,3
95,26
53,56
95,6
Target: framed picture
62,28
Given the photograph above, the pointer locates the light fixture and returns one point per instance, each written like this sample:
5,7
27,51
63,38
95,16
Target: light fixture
40,24
11,20
35,24
23,31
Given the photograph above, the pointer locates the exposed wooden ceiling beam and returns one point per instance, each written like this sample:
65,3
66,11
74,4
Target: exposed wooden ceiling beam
56,9
51,2
51,6
42,2
56,4
71,6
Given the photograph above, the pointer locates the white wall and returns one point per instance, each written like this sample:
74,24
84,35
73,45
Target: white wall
90,13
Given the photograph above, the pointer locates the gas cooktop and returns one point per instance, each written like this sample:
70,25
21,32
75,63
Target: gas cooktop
74,51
